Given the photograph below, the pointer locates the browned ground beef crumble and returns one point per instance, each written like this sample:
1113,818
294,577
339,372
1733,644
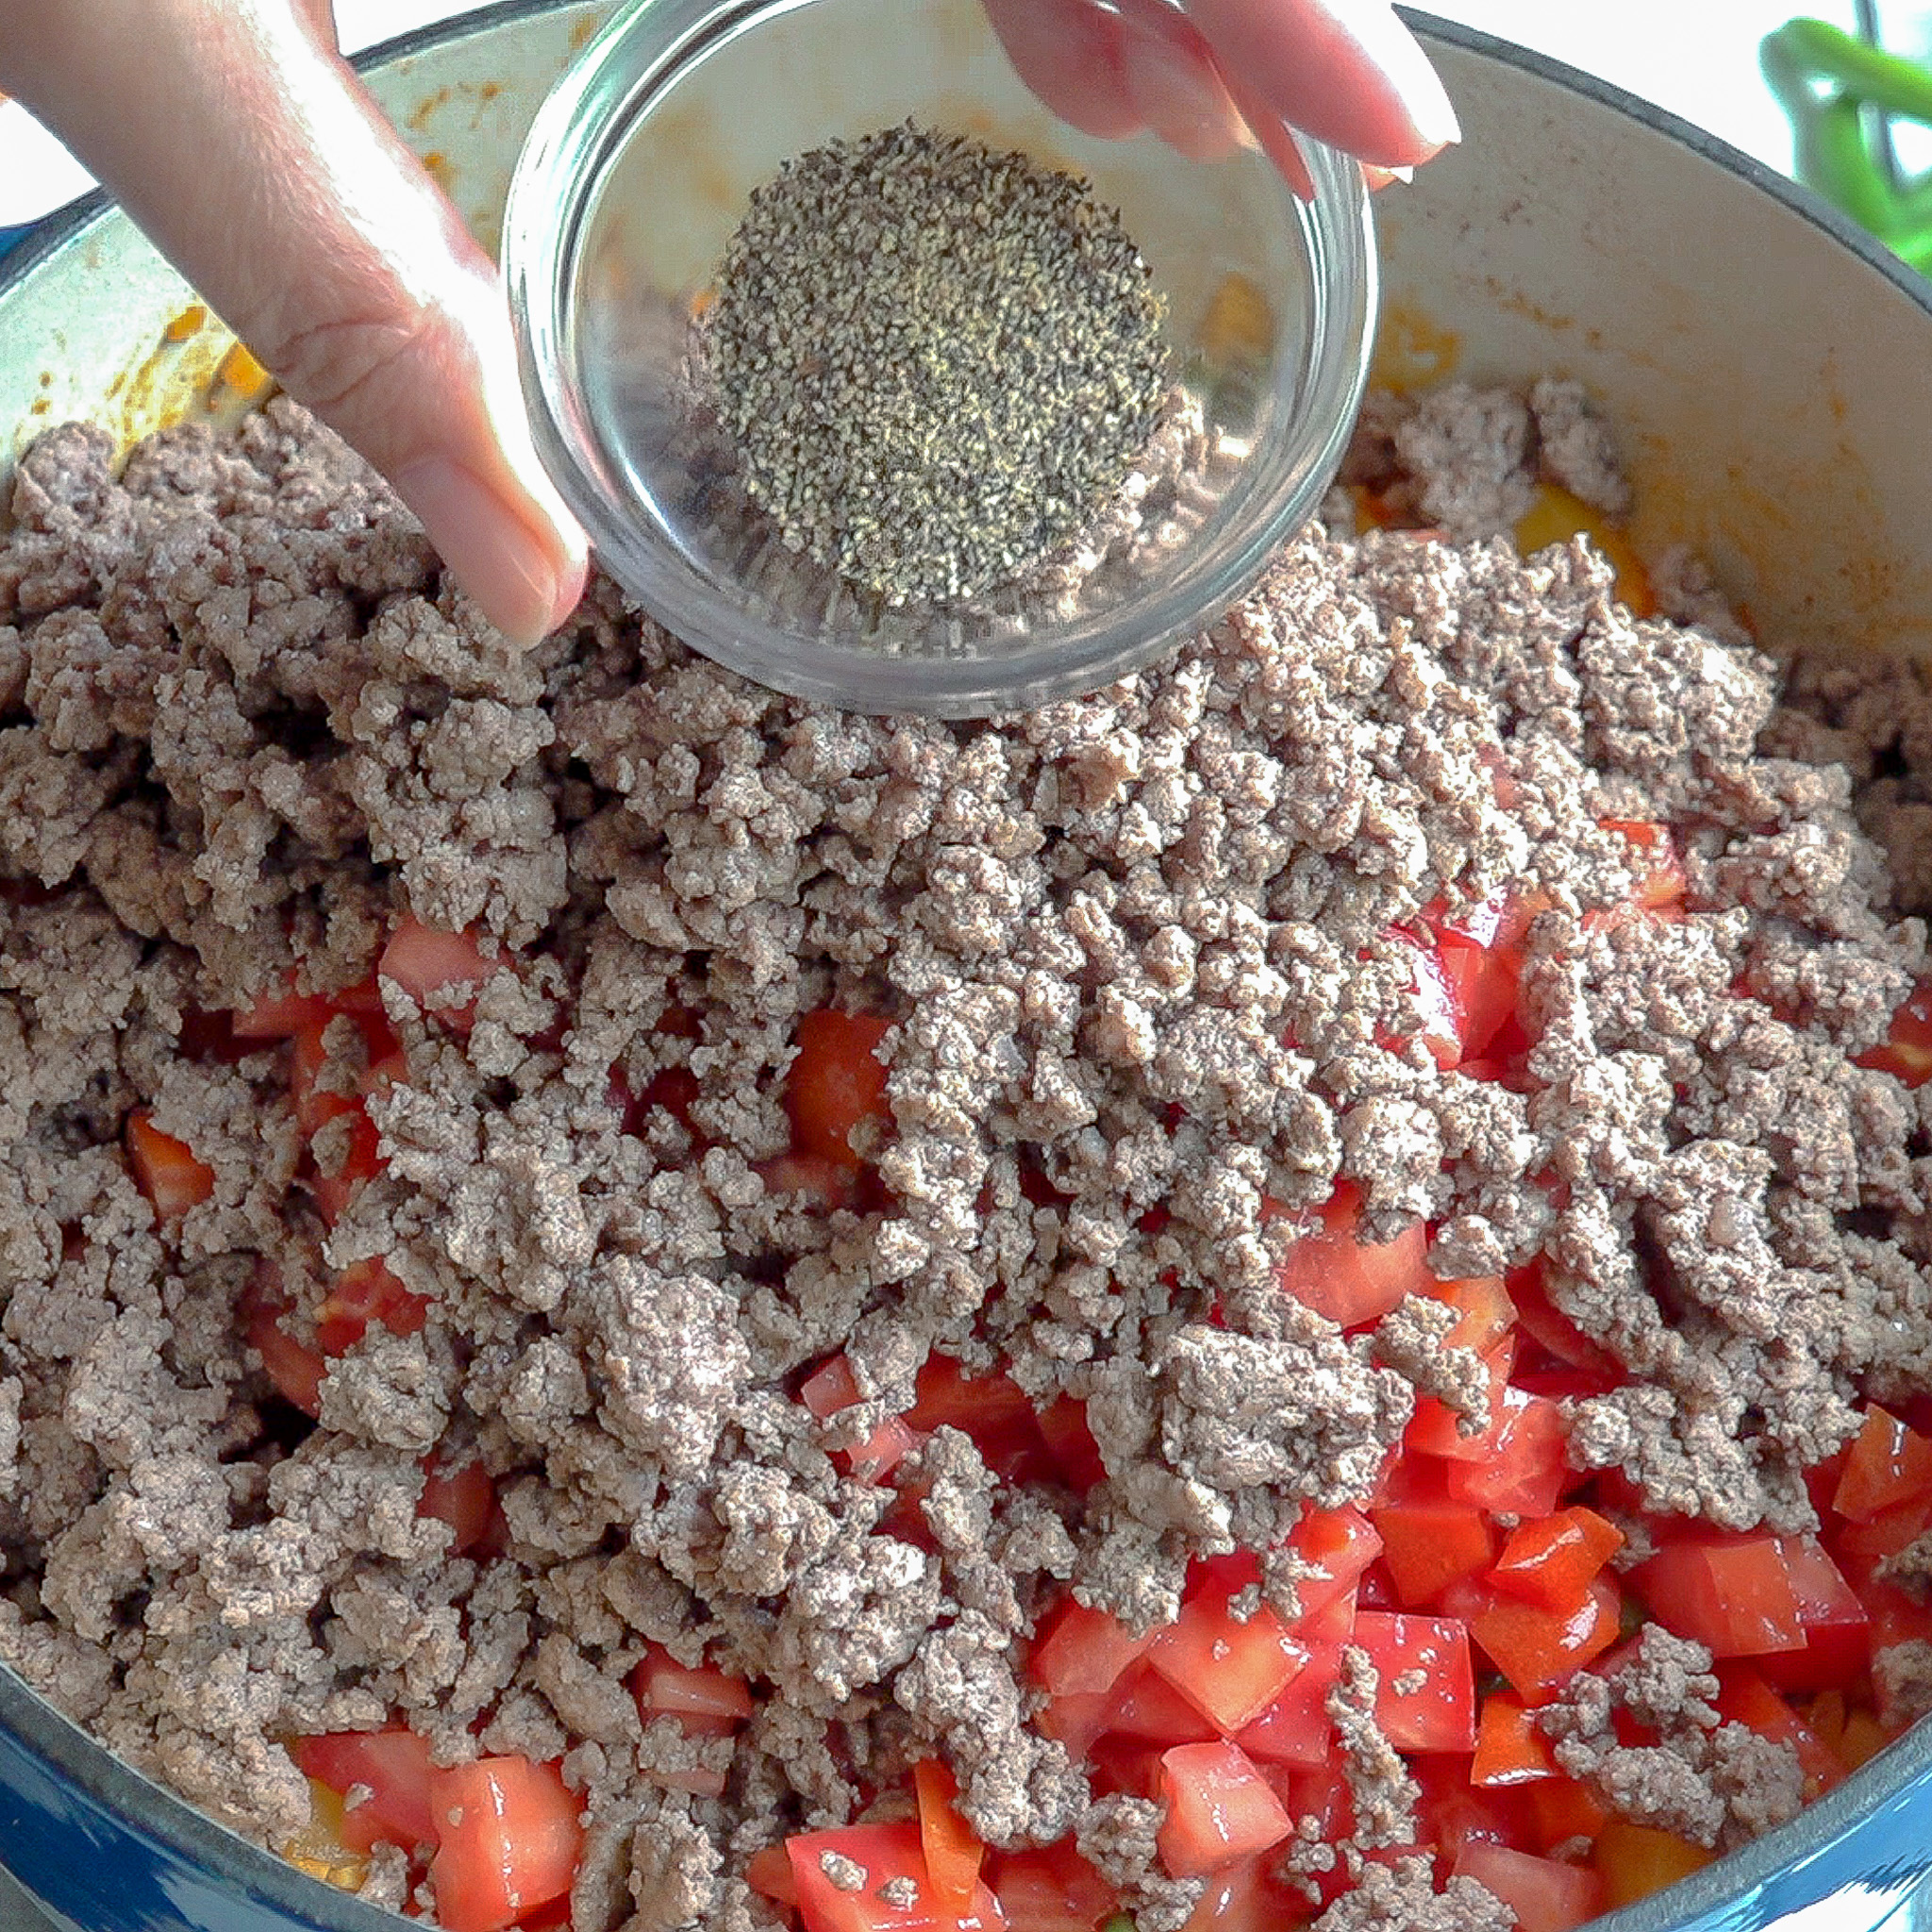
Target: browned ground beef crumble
247,722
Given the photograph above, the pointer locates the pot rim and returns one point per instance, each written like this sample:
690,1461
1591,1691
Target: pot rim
1814,1852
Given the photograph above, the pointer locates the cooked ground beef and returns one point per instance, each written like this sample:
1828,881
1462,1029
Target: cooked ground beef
1135,953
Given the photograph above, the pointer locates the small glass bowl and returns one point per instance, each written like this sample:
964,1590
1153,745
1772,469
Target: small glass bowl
636,172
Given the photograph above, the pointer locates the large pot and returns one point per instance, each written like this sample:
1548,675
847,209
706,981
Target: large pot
1772,376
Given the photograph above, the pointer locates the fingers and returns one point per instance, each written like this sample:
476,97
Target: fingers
1069,52
248,150
1347,71
1274,137
1173,83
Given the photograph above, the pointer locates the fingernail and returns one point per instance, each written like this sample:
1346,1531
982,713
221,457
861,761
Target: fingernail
495,555
1415,79
1421,90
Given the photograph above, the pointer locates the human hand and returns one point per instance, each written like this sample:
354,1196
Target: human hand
237,137
1213,74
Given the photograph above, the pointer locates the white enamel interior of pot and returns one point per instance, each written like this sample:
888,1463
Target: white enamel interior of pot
1773,395
1772,389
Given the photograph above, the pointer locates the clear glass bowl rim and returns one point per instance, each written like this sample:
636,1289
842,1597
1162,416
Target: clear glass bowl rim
576,139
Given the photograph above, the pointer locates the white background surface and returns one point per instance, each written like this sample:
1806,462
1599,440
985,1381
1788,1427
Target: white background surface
1697,58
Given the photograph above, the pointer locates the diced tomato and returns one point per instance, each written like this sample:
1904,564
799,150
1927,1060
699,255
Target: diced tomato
1451,1812
1435,1429
1484,985
1075,1720
1325,1795
432,966
990,1408
1535,1648
1054,1890
509,1835
296,1370
1552,1559
831,1389
1337,1545
1333,1271
1296,1727
1484,1311
281,1016
1888,1464
394,1767
1838,1632
953,1851
836,1081
1376,1590
1126,1765
874,1459
1545,1894
1438,1713
884,1852
1510,1748
1731,1594
367,1291
1560,1810
1555,1331
1660,881
1246,1897
707,1701
1635,1861
465,1498
829,1183
165,1168
1524,1470
1886,1533
334,1191
1744,1698
769,1874
1219,1809
1146,1705
315,1106
1070,1442
1907,1050
1231,1670
1896,1617
1427,1546
1084,1651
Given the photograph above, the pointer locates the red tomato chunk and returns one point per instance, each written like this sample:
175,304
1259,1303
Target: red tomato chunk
1230,1669
1331,1270
393,1766
1552,1560
1731,1594
1425,1693
835,1082
509,1839
165,1168
1219,1808
882,1852
1545,1896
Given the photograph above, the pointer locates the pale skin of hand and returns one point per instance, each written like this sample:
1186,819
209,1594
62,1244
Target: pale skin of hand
237,137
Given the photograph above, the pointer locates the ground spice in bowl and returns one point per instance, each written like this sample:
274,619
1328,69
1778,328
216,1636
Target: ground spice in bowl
937,361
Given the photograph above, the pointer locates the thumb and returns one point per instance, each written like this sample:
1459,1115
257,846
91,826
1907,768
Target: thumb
247,149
